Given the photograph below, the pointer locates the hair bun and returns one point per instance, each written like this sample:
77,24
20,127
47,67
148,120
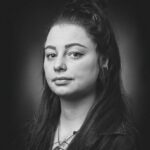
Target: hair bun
100,3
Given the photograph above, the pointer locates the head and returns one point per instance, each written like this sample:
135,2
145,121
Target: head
86,55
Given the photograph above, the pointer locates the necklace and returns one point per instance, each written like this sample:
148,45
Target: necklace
63,145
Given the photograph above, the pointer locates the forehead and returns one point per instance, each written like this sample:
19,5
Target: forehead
68,33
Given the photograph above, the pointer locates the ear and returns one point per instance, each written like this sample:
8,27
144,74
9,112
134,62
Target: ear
103,62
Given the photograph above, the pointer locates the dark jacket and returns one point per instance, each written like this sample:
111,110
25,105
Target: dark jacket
126,137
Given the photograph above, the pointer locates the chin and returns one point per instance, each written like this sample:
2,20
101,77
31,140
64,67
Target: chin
69,94
62,92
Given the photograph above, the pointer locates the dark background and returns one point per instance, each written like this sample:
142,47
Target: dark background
24,30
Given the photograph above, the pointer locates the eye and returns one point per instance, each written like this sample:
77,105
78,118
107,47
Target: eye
75,55
50,55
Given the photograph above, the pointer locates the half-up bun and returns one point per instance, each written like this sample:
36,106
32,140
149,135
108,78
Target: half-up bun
98,3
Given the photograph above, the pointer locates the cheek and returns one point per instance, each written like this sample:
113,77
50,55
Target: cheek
47,70
87,70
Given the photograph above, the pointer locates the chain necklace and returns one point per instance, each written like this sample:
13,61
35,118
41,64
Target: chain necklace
64,144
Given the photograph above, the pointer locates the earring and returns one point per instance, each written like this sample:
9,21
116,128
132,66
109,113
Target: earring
103,74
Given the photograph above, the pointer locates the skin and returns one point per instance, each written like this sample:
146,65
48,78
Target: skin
71,53
76,62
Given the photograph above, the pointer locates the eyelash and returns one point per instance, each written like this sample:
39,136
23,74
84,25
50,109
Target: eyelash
74,55
51,55
78,55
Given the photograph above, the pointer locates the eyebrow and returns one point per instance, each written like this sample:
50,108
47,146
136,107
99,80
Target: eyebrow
50,47
66,46
74,44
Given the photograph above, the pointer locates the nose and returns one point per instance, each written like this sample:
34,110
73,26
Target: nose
60,65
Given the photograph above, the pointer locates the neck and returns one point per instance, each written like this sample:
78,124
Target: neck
74,112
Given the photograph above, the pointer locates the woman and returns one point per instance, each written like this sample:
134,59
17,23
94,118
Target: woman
82,106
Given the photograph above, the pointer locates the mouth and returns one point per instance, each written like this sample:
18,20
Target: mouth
62,80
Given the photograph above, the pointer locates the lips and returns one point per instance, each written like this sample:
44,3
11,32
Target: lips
62,80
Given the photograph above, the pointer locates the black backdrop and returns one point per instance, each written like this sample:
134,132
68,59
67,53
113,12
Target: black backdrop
24,34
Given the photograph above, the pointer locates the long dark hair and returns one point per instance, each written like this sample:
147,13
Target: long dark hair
108,111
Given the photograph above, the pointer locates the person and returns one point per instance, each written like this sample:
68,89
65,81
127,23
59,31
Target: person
82,106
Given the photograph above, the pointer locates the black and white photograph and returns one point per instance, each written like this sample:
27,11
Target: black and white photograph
78,75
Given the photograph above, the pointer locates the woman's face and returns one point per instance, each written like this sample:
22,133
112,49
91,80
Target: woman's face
71,61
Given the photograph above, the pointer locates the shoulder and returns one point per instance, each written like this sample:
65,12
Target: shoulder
126,137
124,142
